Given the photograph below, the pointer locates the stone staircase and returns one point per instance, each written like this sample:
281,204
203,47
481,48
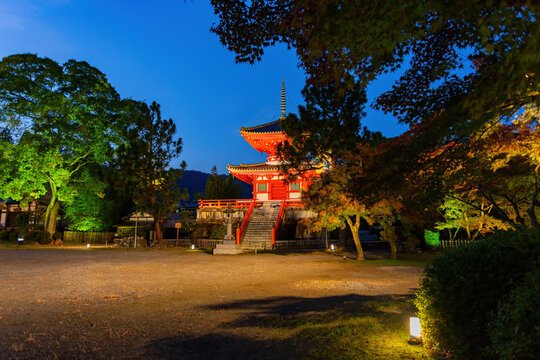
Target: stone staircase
259,229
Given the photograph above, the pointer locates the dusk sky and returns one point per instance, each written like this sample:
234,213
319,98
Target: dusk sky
164,51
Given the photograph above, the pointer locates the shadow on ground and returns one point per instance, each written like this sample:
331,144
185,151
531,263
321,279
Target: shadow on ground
333,327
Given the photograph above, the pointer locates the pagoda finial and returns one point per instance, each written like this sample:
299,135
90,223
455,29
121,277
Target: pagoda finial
283,105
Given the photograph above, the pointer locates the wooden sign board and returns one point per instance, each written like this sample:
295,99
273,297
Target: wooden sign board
178,225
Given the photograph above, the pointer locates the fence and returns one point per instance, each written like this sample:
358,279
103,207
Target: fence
199,243
89,237
453,243
303,244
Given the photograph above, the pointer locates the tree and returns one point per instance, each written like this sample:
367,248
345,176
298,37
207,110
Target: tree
465,64
335,207
222,187
63,117
89,209
338,204
145,162
472,216
327,126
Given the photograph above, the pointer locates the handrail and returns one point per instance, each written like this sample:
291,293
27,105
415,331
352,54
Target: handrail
242,229
278,221
224,203
280,214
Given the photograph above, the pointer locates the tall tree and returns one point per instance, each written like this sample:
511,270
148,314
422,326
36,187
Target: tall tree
145,162
327,126
222,186
63,117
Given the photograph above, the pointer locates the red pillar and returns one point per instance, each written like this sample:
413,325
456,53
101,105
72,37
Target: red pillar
238,236
273,238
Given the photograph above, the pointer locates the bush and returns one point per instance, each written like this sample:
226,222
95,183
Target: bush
4,235
218,232
43,237
57,235
31,237
13,236
460,290
432,238
22,220
515,333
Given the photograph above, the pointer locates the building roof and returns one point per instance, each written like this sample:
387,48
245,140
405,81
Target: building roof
271,127
252,168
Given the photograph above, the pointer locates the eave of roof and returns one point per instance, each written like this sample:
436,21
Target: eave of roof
271,127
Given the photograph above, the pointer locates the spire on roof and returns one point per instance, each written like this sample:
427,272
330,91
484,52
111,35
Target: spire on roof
283,105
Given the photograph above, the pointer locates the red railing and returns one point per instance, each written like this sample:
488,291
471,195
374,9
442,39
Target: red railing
242,228
278,222
224,203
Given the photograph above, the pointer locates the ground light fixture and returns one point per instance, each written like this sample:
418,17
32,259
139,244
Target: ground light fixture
20,240
88,246
416,331
332,247
192,247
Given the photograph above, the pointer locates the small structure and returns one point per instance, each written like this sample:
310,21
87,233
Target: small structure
229,245
272,194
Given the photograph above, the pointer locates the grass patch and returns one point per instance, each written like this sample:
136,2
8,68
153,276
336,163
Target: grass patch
335,327
372,329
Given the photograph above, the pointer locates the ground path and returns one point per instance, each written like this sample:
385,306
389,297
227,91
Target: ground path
171,304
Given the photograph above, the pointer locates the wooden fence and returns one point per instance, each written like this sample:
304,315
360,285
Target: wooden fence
199,243
314,244
85,237
445,244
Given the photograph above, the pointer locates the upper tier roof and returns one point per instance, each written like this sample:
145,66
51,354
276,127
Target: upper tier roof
271,127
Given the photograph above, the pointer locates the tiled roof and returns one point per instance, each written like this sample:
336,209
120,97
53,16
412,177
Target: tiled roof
261,167
271,127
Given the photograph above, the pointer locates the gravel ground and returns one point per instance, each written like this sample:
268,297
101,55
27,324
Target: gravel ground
117,304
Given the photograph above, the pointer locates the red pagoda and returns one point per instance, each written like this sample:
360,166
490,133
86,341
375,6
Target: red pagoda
268,182
272,194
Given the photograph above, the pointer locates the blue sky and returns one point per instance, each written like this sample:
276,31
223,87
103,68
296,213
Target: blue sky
163,50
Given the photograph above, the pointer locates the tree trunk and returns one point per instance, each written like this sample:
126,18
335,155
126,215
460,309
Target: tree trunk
49,221
354,230
393,249
157,226
531,210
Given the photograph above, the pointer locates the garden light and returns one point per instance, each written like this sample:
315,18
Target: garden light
20,240
88,246
416,331
192,247
332,247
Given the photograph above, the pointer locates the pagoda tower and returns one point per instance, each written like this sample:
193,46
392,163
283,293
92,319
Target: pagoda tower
268,182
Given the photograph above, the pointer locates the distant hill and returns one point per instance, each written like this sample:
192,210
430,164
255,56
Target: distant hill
194,181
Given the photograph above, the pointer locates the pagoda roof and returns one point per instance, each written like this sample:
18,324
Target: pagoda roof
253,168
271,127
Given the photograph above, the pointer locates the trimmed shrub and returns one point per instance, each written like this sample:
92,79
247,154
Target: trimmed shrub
432,238
13,236
4,235
515,331
31,237
43,237
460,291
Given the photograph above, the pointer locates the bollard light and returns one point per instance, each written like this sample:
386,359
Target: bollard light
332,247
88,246
416,331
20,240
192,247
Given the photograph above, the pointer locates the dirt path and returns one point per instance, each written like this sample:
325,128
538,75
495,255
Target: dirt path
168,304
